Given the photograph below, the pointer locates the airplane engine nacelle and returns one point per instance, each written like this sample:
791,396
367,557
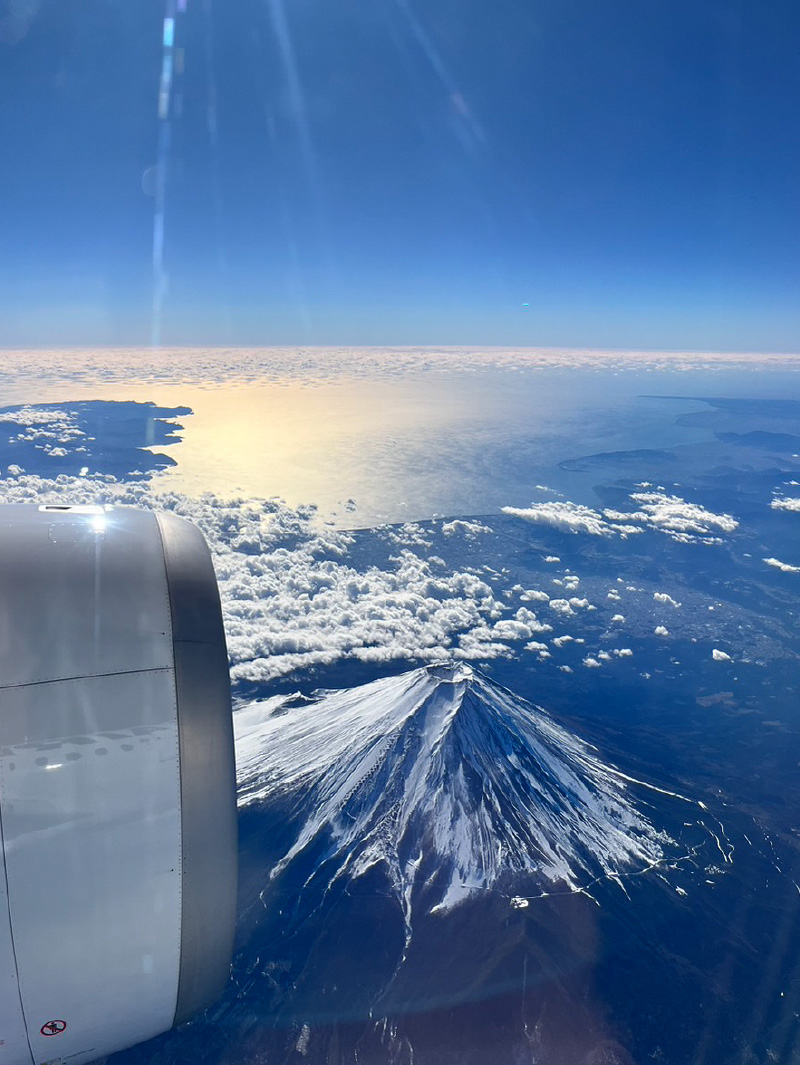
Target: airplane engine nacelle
117,781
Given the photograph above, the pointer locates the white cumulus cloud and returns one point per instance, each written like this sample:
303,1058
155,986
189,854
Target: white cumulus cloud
582,603
784,567
292,595
675,515
677,518
467,528
532,595
562,606
663,597
568,517
720,656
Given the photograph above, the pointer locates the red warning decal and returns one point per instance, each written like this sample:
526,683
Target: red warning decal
53,1028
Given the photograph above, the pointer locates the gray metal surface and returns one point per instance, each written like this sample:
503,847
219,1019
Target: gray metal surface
117,783
81,593
89,777
91,815
208,773
12,1022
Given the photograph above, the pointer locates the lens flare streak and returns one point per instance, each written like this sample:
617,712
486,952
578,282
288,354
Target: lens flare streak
166,104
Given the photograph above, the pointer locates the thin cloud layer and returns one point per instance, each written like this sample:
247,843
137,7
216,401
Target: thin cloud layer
204,365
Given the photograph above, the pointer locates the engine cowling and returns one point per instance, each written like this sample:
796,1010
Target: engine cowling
117,781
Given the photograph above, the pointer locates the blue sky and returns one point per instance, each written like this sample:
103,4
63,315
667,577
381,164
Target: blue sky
548,172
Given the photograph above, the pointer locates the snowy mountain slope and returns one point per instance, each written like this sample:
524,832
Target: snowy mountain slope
449,783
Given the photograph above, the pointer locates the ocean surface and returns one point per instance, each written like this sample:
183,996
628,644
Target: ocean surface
514,652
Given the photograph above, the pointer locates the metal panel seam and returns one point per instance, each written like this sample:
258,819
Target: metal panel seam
88,676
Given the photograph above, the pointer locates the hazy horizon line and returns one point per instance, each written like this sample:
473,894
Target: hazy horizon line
745,353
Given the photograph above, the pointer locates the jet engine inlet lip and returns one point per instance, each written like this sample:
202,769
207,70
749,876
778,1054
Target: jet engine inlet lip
208,769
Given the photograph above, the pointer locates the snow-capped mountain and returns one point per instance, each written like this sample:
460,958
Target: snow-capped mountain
449,783
393,838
